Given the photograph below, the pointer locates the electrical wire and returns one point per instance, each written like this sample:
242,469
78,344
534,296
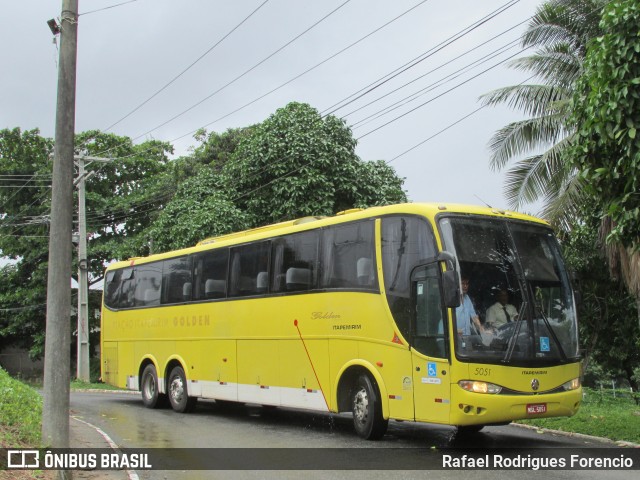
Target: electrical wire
445,128
170,82
200,102
417,60
433,86
436,97
107,8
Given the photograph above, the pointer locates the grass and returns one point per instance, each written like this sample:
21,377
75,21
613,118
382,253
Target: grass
80,385
20,413
600,415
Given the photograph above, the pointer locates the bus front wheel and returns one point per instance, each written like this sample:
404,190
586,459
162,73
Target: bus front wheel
367,409
178,393
151,397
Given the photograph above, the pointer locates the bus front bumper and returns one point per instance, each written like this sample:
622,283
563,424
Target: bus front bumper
468,408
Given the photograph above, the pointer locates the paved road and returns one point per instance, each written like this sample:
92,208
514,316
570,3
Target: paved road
130,425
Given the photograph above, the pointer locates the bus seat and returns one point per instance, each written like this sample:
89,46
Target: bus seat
298,278
262,282
364,269
151,296
186,291
214,288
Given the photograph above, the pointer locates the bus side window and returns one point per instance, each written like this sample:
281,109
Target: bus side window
406,241
148,282
428,325
112,288
247,263
294,260
210,274
345,251
127,289
176,280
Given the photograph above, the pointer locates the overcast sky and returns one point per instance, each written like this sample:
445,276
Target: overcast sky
129,52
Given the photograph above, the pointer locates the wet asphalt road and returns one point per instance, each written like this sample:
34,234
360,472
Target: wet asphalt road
123,417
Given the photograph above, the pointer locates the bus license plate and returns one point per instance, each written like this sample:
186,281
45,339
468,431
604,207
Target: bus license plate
536,408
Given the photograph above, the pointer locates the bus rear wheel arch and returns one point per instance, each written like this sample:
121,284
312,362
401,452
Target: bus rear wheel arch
178,392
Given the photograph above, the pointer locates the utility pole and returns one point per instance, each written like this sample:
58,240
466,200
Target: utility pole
82,369
55,415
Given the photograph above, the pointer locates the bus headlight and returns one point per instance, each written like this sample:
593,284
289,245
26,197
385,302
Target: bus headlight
479,387
571,384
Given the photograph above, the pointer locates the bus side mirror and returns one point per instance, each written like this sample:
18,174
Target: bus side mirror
451,288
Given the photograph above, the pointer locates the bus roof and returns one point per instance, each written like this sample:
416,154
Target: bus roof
429,210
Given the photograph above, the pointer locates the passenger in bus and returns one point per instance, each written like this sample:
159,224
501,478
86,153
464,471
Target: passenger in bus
501,312
467,319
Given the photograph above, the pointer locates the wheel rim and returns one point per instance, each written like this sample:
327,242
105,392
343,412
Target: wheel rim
176,389
149,386
361,406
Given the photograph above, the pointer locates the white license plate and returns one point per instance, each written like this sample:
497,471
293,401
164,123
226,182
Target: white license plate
536,408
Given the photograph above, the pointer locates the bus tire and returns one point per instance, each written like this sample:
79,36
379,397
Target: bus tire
151,397
178,392
367,409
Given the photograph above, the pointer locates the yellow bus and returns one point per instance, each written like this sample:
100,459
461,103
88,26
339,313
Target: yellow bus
363,312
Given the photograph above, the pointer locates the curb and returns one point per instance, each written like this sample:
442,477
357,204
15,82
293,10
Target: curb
619,443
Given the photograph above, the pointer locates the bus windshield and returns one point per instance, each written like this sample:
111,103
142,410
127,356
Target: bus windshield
515,282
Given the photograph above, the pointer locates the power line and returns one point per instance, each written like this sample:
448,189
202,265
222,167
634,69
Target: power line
417,60
186,69
445,128
297,76
423,91
244,73
106,8
441,66
436,97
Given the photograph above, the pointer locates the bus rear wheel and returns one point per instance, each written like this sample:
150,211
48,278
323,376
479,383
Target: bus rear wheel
178,393
367,409
151,397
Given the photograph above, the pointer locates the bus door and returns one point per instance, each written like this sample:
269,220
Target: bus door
429,347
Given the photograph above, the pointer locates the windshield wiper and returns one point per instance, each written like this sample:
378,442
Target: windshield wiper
514,335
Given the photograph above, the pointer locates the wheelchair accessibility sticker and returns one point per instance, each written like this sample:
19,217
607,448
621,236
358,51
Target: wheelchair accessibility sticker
432,369
545,346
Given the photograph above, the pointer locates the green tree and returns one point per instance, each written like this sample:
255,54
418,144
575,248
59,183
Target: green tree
609,332
607,145
123,197
297,163
201,208
25,175
560,31
607,113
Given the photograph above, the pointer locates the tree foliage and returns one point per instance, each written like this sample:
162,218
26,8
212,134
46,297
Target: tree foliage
123,197
560,31
297,163
607,116
609,331
294,164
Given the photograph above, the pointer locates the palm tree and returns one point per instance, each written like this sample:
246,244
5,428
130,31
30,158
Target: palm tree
560,31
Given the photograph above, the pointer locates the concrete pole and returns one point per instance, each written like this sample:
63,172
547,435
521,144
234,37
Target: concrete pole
82,368
55,414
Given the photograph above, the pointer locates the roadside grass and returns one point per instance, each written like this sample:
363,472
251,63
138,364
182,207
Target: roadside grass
80,385
601,415
20,413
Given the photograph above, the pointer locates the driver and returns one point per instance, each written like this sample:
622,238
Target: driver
465,313
501,312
